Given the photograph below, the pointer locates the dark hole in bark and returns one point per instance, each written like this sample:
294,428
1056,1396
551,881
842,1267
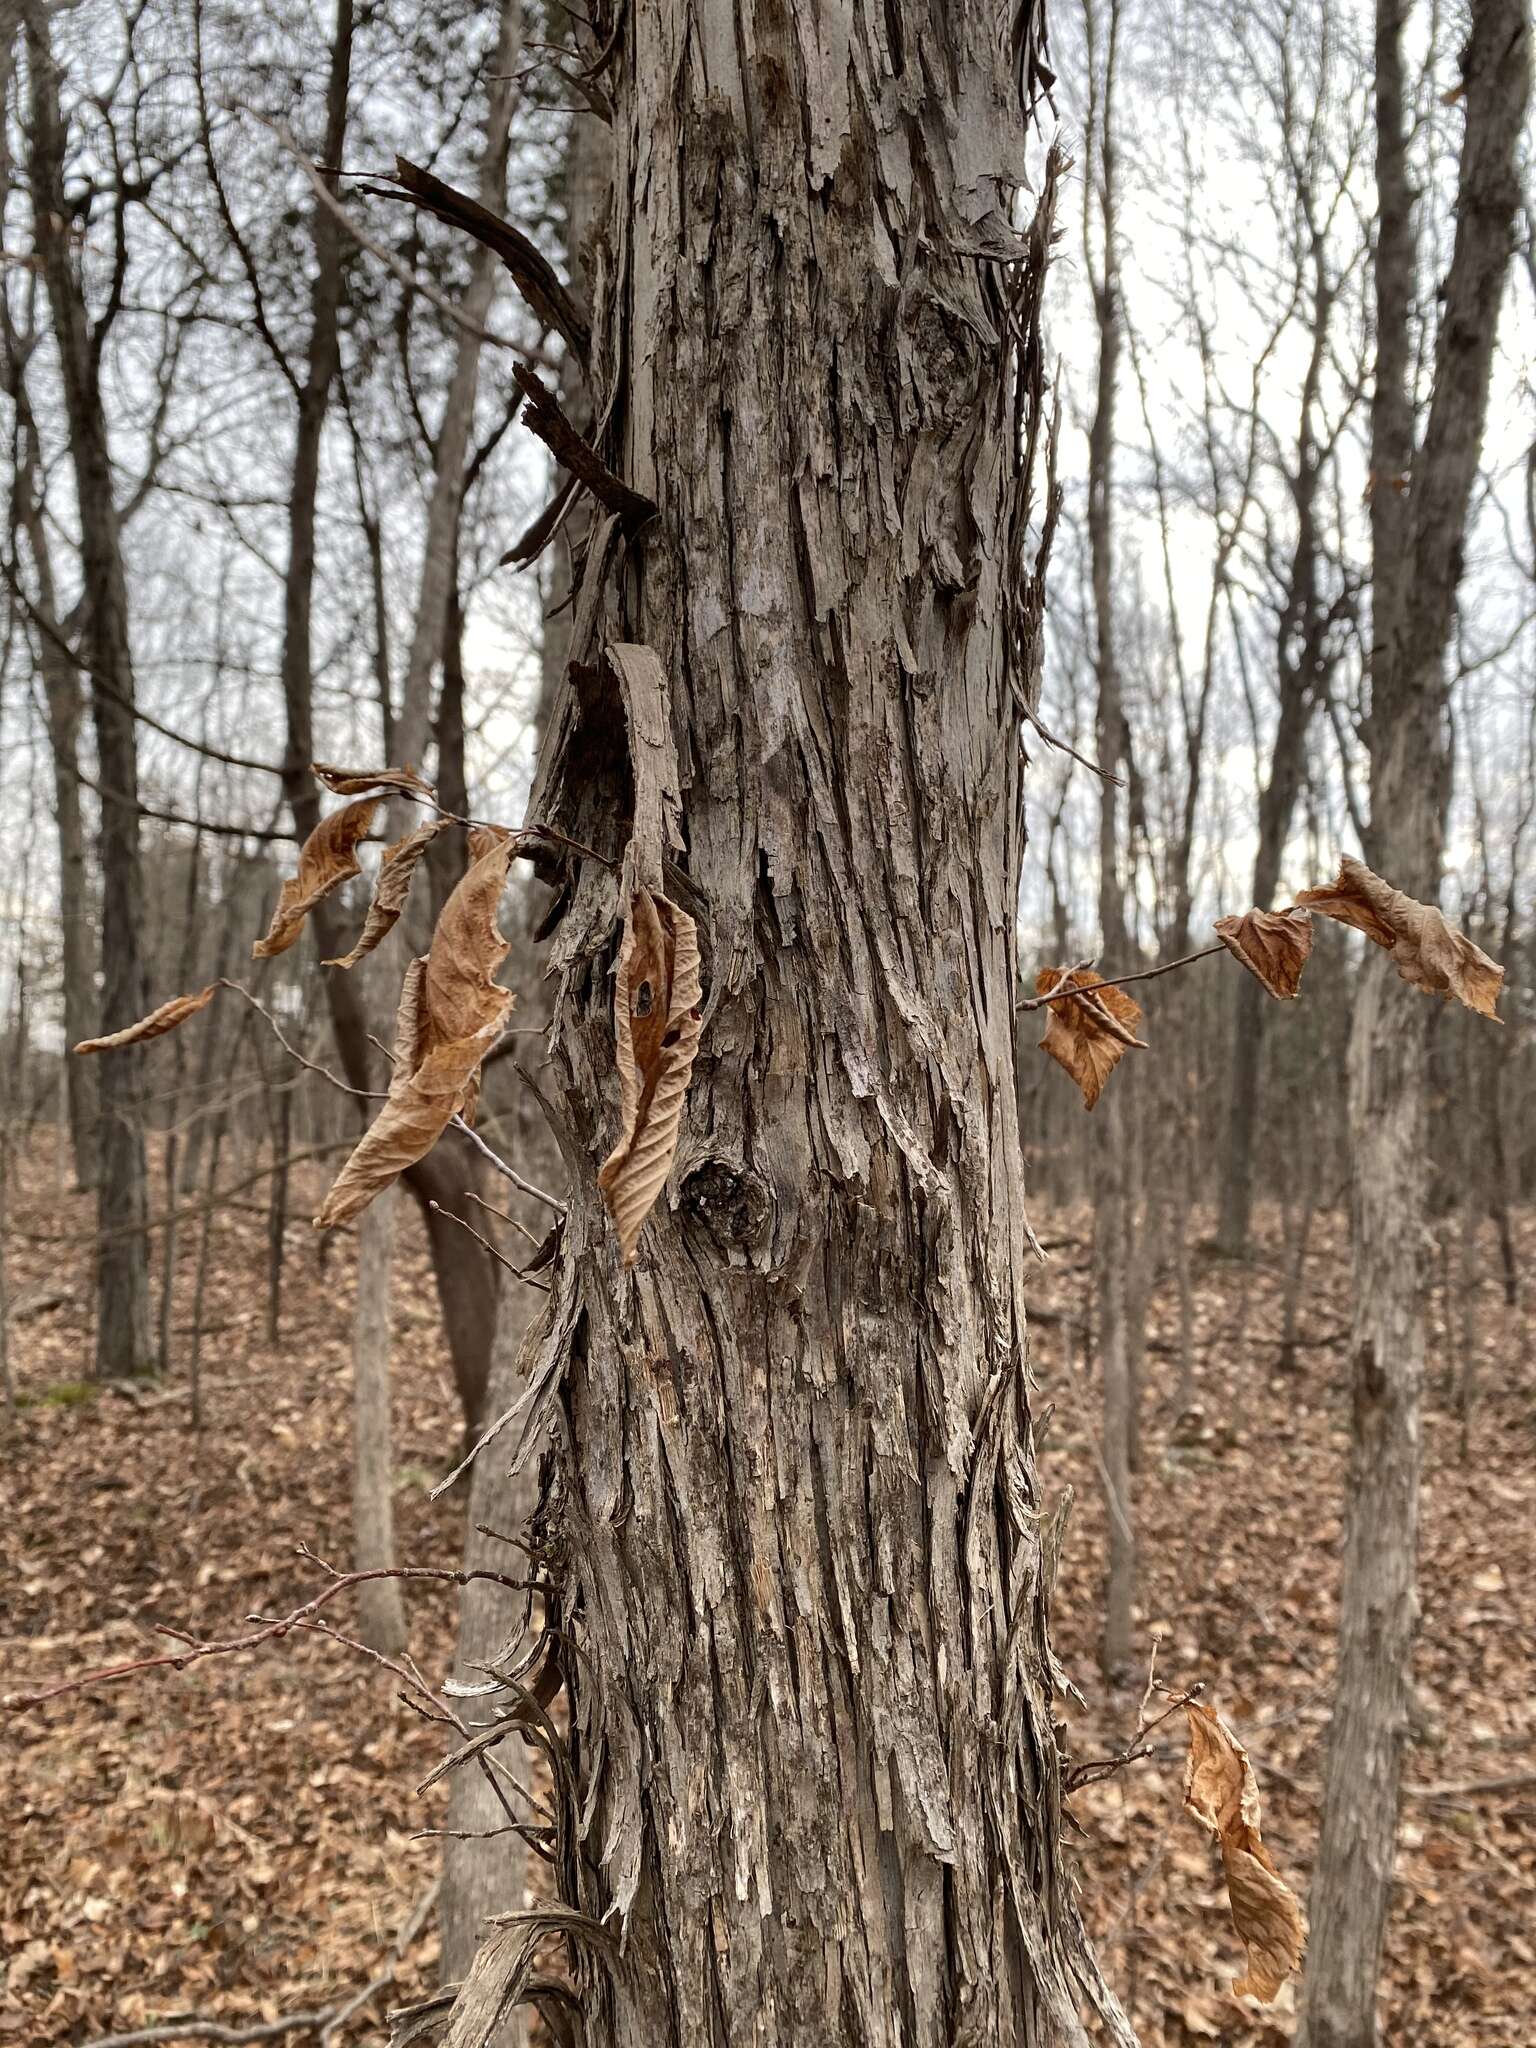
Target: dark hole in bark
730,1205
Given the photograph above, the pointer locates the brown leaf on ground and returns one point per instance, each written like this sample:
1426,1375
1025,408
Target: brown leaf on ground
657,1022
1272,944
156,1024
391,889
1221,1793
359,781
1087,1032
451,1013
1427,951
327,858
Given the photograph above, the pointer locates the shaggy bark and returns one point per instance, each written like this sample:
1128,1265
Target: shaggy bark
802,1608
1417,541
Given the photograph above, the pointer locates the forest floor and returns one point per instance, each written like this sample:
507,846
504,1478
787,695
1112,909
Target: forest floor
237,1841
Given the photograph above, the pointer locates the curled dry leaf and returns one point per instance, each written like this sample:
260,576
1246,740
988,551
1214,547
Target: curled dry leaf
482,838
1428,952
327,858
1087,1032
156,1024
359,781
1272,944
391,889
451,1013
657,1022
1221,1793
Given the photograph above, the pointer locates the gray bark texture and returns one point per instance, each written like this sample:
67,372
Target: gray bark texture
1417,540
800,1605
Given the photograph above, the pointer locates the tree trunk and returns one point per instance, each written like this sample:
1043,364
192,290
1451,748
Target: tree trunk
1114,1198
802,1616
482,1870
466,1288
381,1610
123,1343
1417,540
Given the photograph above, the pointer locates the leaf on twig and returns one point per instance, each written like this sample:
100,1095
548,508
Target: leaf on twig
359,781
327,858
391,889
156,1024
482,838
451,1013
1274,945
1088,1032
1221,1793
657,1022
1427,951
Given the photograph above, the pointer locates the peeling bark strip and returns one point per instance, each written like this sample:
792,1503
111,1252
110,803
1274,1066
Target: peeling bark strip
802,1620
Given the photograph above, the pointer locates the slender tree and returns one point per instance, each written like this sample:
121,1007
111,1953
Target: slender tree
123,1344
1421,490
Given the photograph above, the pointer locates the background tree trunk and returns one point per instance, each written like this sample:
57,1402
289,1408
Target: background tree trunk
123,1344
1417,560
381,1609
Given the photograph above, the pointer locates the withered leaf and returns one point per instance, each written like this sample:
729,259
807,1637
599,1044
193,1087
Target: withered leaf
156,1024
359,781
483,838
1086,1033
1274,945
1427,951
451,1014
327,858
1221,1793
391,889
657,1023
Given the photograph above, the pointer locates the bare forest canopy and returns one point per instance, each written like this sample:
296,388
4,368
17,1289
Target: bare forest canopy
612,622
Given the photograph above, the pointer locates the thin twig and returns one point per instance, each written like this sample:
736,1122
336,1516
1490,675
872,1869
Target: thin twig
500,1257
112,1674
1062,994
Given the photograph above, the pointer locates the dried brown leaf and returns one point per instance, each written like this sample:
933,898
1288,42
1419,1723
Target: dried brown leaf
451,1014
1087,1033
657,1023
1221,1793
156,1024
359,781
1427,951
1272,944
391,889
484,838
327,858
